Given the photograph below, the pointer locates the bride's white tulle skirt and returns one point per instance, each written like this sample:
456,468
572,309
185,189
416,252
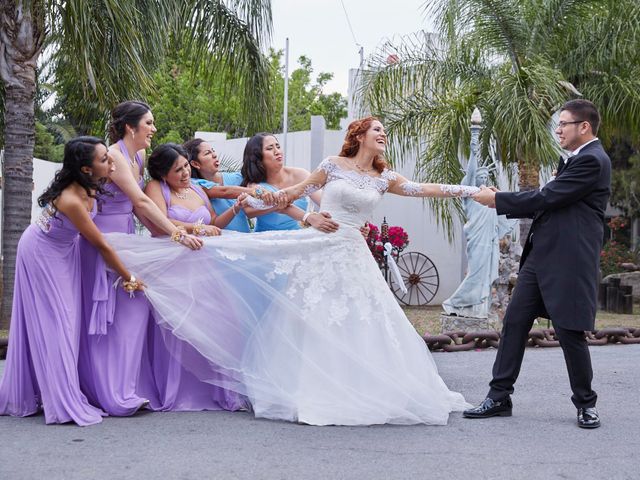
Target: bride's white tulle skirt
300,322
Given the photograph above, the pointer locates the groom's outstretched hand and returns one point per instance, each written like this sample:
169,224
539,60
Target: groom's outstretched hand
486,196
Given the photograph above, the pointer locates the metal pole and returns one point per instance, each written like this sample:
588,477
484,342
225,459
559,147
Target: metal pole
285,120
384,238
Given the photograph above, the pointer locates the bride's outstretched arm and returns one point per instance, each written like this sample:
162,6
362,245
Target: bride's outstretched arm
281,199
401,186
311,184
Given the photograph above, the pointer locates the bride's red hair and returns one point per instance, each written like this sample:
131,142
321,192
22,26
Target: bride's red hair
351,145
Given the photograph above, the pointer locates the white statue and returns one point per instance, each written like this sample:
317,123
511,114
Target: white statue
483,231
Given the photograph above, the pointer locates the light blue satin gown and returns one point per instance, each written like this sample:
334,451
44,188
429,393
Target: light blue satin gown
279,221
240,223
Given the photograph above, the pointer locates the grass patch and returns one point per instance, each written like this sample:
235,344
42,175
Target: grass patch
426,320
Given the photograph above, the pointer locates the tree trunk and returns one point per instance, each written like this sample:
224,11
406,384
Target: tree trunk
21,38
528,179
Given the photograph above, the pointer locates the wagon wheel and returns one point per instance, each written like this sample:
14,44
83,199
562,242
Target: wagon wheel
420,277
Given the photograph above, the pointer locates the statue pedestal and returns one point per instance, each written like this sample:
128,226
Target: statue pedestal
455,323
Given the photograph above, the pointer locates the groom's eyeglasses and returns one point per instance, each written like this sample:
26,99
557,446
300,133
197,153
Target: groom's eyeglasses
562,124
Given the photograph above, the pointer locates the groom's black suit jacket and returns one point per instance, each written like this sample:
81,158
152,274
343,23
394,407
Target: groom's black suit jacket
566,235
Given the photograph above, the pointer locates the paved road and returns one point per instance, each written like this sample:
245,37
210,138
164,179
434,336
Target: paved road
541,440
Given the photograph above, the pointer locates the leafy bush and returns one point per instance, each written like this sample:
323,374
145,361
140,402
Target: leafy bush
615,252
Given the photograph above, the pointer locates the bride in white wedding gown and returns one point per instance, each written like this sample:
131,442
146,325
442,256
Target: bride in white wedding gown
302,322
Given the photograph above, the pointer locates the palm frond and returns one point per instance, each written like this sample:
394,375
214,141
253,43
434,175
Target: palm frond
494,25
256,14
229,163
107,49
550,20
225,47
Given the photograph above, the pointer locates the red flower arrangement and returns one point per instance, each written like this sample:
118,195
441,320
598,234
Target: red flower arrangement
397,237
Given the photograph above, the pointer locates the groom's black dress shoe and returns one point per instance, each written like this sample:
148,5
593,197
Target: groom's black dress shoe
588,418
490,408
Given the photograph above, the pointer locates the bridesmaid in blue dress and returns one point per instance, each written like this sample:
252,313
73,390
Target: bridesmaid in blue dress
222,188
188,206
264,171
42,361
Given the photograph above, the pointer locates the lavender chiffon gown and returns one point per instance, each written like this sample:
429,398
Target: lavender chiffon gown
113,368
178,389
42,362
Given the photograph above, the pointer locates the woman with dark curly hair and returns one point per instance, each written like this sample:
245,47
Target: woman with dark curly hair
42,361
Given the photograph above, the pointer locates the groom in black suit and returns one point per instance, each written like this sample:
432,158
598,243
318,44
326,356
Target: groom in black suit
560,263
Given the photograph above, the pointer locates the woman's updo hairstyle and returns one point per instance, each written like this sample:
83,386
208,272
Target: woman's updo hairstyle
253,170
193,150
351,145
126,113
163,158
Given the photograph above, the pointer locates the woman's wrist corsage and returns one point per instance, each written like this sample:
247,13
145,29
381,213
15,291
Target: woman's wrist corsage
199,229
131,285
178,235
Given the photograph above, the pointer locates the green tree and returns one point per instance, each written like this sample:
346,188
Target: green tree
44,144
306,96
625,177
184,103
103,51
517,61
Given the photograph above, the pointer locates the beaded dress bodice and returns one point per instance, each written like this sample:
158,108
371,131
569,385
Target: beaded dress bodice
349,196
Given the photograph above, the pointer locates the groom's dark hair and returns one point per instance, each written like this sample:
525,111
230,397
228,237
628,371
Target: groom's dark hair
584,110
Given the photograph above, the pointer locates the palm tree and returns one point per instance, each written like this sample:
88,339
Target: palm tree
106,49
515,60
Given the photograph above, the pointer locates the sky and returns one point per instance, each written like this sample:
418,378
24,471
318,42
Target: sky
319,30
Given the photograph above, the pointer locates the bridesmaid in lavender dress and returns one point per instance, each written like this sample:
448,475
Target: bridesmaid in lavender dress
42,362
114,372
186,205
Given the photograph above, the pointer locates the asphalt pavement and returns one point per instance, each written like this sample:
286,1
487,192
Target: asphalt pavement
540,441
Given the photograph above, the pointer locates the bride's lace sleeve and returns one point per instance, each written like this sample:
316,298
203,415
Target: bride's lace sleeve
314,182
401,186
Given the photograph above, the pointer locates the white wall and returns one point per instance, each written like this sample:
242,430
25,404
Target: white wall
43,173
